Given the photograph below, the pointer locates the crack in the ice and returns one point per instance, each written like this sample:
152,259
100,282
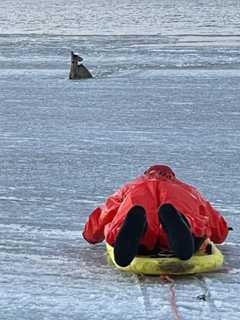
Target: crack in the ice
145,295
206,296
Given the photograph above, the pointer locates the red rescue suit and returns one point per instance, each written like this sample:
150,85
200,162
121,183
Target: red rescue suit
156,187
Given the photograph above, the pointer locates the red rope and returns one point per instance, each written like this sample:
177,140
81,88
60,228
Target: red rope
173,302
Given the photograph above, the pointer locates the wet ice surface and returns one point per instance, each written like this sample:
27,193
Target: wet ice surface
120,17
65,145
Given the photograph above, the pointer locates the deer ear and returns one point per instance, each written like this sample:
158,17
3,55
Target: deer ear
72,53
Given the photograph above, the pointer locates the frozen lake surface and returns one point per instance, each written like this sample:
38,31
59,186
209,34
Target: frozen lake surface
66,145
120,17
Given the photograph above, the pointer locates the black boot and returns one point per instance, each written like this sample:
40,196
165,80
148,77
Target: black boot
128,238
178,232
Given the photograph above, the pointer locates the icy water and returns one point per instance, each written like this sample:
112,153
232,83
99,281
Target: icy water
165,89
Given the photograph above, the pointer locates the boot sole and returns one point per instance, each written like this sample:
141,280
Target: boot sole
179,235
128,238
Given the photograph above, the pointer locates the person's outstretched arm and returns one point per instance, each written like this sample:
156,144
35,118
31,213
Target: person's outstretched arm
218,225
94,228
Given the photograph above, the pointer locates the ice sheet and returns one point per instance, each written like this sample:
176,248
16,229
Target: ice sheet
66,145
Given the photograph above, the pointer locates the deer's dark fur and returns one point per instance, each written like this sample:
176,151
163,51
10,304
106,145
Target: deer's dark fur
78,70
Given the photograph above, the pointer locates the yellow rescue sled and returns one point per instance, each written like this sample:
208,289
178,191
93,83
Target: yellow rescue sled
199,262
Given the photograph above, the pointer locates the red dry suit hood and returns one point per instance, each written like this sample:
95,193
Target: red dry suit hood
158,171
